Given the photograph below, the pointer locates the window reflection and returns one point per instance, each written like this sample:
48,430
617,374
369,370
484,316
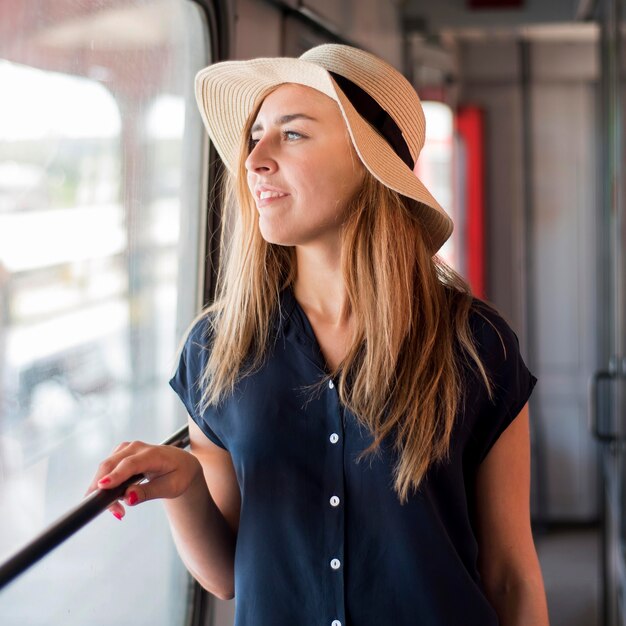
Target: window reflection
62,238
99,164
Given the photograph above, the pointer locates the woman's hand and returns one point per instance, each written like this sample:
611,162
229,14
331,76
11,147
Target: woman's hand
169,472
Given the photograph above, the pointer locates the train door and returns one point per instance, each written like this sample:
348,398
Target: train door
608,399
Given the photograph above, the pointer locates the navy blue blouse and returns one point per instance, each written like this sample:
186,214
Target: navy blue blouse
324,541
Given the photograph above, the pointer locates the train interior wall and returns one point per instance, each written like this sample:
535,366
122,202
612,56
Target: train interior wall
540,98
540,93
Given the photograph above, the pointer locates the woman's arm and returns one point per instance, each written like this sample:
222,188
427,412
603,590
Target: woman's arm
507,557
201,497
204,522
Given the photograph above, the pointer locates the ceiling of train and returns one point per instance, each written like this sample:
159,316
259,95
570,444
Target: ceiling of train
433,17
58,28
108,26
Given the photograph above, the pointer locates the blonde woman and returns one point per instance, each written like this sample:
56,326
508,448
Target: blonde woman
358,422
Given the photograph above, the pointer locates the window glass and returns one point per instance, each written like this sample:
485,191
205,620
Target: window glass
435,169
101,204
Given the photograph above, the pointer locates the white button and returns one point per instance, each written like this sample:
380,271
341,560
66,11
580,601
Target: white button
334,438
335,622
335,563
334,501
331,384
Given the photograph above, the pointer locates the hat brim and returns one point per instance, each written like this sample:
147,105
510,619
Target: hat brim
228,92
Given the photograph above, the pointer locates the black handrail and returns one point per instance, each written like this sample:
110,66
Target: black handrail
94,504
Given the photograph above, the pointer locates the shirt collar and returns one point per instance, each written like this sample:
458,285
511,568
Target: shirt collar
294,325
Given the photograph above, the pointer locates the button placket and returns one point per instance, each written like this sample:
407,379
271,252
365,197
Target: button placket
334,515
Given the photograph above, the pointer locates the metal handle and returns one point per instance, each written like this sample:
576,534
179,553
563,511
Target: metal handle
593,405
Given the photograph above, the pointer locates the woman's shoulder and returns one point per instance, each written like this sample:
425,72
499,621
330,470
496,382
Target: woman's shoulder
495,340
491,408
198,336
202,328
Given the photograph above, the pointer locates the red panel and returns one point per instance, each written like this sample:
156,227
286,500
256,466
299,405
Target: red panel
470,127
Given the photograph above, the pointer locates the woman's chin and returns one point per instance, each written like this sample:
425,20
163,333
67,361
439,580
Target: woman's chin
277,238
273,233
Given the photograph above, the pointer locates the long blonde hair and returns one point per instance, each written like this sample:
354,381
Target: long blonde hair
402,371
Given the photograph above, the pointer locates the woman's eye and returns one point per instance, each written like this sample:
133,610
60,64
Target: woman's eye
288,135
291,135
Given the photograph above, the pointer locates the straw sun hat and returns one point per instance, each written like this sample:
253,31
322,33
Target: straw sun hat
383,114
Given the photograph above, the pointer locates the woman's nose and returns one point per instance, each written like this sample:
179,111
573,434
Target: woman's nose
260,158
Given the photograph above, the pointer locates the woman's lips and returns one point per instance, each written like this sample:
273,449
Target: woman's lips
266,195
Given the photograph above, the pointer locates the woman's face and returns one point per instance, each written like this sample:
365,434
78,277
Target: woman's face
302,169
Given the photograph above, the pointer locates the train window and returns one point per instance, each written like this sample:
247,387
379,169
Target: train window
101,204
435,168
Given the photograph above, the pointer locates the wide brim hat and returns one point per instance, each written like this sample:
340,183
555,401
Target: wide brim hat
228,92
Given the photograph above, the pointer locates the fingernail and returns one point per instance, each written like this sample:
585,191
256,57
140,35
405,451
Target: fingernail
132,498
104,481
118,515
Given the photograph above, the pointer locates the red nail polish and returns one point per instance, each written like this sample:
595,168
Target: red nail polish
132,498
104,481
118,515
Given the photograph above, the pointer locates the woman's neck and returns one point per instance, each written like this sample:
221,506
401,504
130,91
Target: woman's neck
319,286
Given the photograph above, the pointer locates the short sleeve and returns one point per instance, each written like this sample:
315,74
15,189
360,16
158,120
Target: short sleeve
185,381
512,382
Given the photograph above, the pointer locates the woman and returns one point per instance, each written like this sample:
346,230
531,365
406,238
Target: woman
358,422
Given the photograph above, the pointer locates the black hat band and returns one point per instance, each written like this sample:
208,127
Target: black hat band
373,113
